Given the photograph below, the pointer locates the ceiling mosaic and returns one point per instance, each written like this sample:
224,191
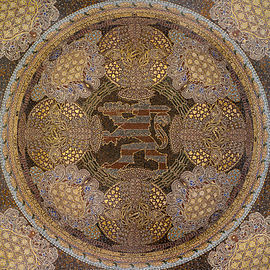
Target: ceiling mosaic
135,135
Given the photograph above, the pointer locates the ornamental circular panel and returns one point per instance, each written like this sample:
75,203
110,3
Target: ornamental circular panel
56,133
135,135
135,45
135,214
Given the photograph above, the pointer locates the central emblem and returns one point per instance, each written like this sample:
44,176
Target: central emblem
138,133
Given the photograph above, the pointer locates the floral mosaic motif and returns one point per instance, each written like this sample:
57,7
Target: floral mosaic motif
247,22
246,248
135,44
135,214
56,133
72,196
196,73
22,22
73,71
196,196
21,246
211,134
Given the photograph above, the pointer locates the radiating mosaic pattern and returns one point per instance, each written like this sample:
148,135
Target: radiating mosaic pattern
21,246
247,22
135,135
22,22
246,248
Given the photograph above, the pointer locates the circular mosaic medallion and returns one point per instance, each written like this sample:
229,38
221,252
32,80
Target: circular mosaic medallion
135,135
135,214
135,45
56,133
211,134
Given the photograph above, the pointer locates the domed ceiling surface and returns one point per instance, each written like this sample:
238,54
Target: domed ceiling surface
135,135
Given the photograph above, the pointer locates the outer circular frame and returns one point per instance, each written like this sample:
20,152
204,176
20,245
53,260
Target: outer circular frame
154,260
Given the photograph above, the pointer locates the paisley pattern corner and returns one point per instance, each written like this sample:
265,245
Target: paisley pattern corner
247,22
21,24
72,71
196,73
198,195
245,248
21,246
72,196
